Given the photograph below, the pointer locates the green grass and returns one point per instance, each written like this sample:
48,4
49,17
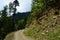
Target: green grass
9,36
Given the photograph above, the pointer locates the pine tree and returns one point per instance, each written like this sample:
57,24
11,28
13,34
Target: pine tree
4,13
15,4
3,23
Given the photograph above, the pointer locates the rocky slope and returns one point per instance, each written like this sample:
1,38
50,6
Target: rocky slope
46,27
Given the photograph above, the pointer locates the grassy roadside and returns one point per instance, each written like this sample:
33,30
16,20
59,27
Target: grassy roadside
10,36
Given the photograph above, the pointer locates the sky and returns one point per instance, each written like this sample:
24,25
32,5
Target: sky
25,5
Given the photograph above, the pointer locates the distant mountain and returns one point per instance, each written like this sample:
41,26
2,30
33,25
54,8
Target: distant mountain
22,15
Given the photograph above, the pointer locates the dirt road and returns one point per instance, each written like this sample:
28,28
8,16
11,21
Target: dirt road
20,36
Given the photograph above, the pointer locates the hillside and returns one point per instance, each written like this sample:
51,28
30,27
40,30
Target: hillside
46,27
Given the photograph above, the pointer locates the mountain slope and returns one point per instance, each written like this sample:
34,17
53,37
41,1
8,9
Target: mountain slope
46,27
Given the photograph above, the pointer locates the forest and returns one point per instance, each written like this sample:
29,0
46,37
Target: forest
42,23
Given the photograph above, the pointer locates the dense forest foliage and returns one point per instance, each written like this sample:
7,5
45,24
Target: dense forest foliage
40,6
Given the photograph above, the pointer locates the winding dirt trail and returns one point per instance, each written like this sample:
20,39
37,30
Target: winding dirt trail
20,36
